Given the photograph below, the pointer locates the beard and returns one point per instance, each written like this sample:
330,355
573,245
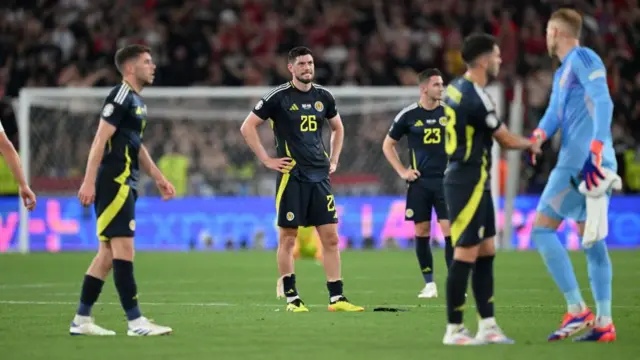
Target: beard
144,80
551,49
304,81
491,76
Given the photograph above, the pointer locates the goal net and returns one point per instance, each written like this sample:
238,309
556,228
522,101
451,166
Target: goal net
194,133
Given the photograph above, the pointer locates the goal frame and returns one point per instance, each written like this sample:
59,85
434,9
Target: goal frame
29,96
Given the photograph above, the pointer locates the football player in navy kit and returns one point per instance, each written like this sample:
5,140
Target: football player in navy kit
423,124
297,111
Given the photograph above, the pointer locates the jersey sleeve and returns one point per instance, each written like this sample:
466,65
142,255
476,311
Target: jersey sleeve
550,122
398,127
1,128
592,74
332,107
488,117
115,106
265,108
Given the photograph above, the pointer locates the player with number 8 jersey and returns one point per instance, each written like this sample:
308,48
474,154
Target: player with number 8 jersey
297,112
472,124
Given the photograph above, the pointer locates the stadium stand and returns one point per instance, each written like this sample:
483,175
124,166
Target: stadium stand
244,42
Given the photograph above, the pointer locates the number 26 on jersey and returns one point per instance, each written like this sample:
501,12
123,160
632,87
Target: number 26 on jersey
309,123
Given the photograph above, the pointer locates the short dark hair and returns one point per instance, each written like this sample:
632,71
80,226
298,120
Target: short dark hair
427,74
298,51
476,45
129,52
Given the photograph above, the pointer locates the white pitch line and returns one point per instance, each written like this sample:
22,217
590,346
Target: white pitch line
222,304
34,286
79,283
26,302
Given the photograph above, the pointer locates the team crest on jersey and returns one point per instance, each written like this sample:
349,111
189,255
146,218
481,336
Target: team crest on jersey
107,110
290,216
443,121
319,106
409,213
259,105
132,225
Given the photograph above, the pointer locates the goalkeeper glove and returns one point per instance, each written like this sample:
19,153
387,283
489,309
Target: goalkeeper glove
591,170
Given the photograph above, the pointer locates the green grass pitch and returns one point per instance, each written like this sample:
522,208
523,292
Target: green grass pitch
223,306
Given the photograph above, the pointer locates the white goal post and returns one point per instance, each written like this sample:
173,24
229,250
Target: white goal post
39,109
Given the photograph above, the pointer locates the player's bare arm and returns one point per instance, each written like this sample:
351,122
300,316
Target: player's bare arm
390,152
249,130
87,191
13,161
337,140
149,165
509,140
166,188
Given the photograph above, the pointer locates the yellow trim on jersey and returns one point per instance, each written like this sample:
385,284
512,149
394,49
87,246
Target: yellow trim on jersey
461,222
413,160
284,180
281,188
469,131
454,94
109,145
122,178
112,210
288,152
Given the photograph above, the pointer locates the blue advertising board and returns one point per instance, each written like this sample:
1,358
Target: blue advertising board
62,224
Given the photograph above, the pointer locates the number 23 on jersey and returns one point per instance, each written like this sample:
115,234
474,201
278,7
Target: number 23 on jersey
432,136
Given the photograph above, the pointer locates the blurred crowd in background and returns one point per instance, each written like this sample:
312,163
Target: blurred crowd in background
71,43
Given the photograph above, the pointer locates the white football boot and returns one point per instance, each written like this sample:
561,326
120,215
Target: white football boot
490,333
85,325
457,334
430,291
145,327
